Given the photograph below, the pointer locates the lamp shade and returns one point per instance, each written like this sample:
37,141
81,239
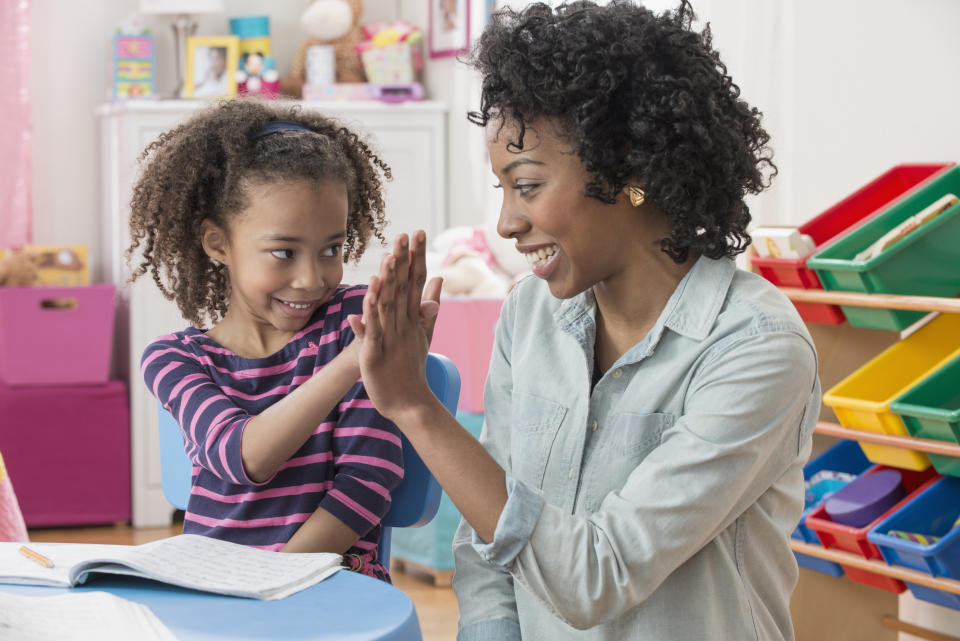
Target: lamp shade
181,6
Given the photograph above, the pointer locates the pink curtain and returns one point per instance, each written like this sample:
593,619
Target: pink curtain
15,199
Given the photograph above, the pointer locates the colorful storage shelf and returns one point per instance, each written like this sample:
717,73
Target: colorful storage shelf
931,410
845,457
919,264
854,539
862,400
831,224
934,511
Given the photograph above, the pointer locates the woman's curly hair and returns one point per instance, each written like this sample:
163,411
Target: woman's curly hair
201,169
639,95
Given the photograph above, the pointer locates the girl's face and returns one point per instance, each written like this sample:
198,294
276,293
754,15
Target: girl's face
283,251
570,240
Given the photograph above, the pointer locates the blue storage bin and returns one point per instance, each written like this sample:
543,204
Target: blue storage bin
847,457
931,512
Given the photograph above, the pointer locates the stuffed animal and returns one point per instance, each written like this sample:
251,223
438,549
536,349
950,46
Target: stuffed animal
329,22
476,261
18,269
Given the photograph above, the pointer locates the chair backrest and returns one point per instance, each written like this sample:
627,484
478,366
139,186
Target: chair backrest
413,503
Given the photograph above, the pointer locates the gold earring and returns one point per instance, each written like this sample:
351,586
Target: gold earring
637,195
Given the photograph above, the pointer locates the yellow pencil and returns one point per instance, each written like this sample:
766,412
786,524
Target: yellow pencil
36,556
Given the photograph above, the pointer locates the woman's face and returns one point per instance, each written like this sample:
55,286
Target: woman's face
570,240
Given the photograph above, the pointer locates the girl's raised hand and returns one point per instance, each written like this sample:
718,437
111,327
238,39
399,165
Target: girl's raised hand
399,312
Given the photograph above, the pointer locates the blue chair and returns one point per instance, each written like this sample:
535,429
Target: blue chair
414,502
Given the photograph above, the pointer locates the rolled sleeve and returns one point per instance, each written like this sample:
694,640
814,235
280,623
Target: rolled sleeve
516,524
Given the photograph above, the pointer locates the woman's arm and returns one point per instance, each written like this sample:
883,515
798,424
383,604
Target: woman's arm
393,354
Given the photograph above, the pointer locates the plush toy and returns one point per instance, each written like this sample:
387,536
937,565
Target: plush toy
476,261
329,22
18,269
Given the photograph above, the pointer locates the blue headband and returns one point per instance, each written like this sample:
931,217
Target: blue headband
278,125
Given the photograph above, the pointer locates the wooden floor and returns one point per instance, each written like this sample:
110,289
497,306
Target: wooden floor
436,607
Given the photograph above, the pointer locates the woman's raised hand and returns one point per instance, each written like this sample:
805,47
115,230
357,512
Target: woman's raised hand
399,313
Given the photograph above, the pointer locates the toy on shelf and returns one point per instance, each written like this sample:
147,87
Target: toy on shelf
335,23
18,269
905,228
476,261
392,55
56,265
781,242
257,72
133,61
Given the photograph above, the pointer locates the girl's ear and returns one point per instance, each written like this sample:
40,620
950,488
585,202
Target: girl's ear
214,241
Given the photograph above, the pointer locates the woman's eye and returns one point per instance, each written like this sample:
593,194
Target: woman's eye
498,186
332,251
525,188
282,254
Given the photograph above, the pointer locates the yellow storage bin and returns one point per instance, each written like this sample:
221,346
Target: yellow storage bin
862,400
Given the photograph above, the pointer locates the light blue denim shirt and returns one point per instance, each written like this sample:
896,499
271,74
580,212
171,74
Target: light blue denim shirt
660,505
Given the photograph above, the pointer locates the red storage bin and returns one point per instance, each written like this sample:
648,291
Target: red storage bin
67,449
850,539
56,335
834,223
464,333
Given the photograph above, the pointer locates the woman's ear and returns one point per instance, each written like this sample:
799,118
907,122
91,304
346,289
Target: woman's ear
214,241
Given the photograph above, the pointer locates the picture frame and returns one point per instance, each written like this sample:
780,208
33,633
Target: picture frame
211,65
449,27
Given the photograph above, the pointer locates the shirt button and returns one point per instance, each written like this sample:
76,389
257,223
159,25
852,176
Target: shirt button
570,475
593,426
617,373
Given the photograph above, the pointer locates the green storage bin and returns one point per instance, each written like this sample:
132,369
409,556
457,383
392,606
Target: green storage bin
931,409
925,263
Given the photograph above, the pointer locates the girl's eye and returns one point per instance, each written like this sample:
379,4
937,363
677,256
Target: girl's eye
332,251
498,186
282,254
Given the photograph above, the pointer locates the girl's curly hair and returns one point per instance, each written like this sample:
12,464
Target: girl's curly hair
639,95
201,169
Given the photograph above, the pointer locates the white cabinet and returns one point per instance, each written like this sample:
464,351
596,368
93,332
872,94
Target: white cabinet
410,137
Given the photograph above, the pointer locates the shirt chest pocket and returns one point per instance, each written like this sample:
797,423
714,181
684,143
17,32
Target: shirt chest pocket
621,446
536,422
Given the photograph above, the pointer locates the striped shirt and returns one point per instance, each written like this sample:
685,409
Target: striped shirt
349,465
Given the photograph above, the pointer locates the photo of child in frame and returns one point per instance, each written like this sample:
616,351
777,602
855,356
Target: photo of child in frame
211,62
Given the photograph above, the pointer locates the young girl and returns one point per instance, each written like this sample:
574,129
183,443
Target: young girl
649,407
244,216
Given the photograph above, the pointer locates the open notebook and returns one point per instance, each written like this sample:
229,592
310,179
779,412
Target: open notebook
76,616
187,560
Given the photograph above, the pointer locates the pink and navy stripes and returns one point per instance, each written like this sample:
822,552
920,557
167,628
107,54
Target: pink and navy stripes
349,465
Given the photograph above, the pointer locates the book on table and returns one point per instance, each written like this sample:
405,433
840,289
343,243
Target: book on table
78,615
187,560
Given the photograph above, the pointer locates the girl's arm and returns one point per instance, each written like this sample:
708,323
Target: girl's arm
393,353
271,437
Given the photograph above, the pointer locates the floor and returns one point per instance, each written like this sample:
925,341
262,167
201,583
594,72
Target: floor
436,607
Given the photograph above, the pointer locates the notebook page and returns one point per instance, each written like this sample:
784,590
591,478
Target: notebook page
204,563
78,616
16,568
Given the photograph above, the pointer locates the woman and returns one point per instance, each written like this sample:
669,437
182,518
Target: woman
649,407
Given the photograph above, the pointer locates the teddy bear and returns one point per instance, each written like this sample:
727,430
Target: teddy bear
18,269
329,22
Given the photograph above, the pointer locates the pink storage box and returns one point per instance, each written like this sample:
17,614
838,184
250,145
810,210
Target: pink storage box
67,448
56,335
464,333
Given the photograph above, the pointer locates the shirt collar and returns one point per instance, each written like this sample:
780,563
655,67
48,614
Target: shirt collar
691,310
